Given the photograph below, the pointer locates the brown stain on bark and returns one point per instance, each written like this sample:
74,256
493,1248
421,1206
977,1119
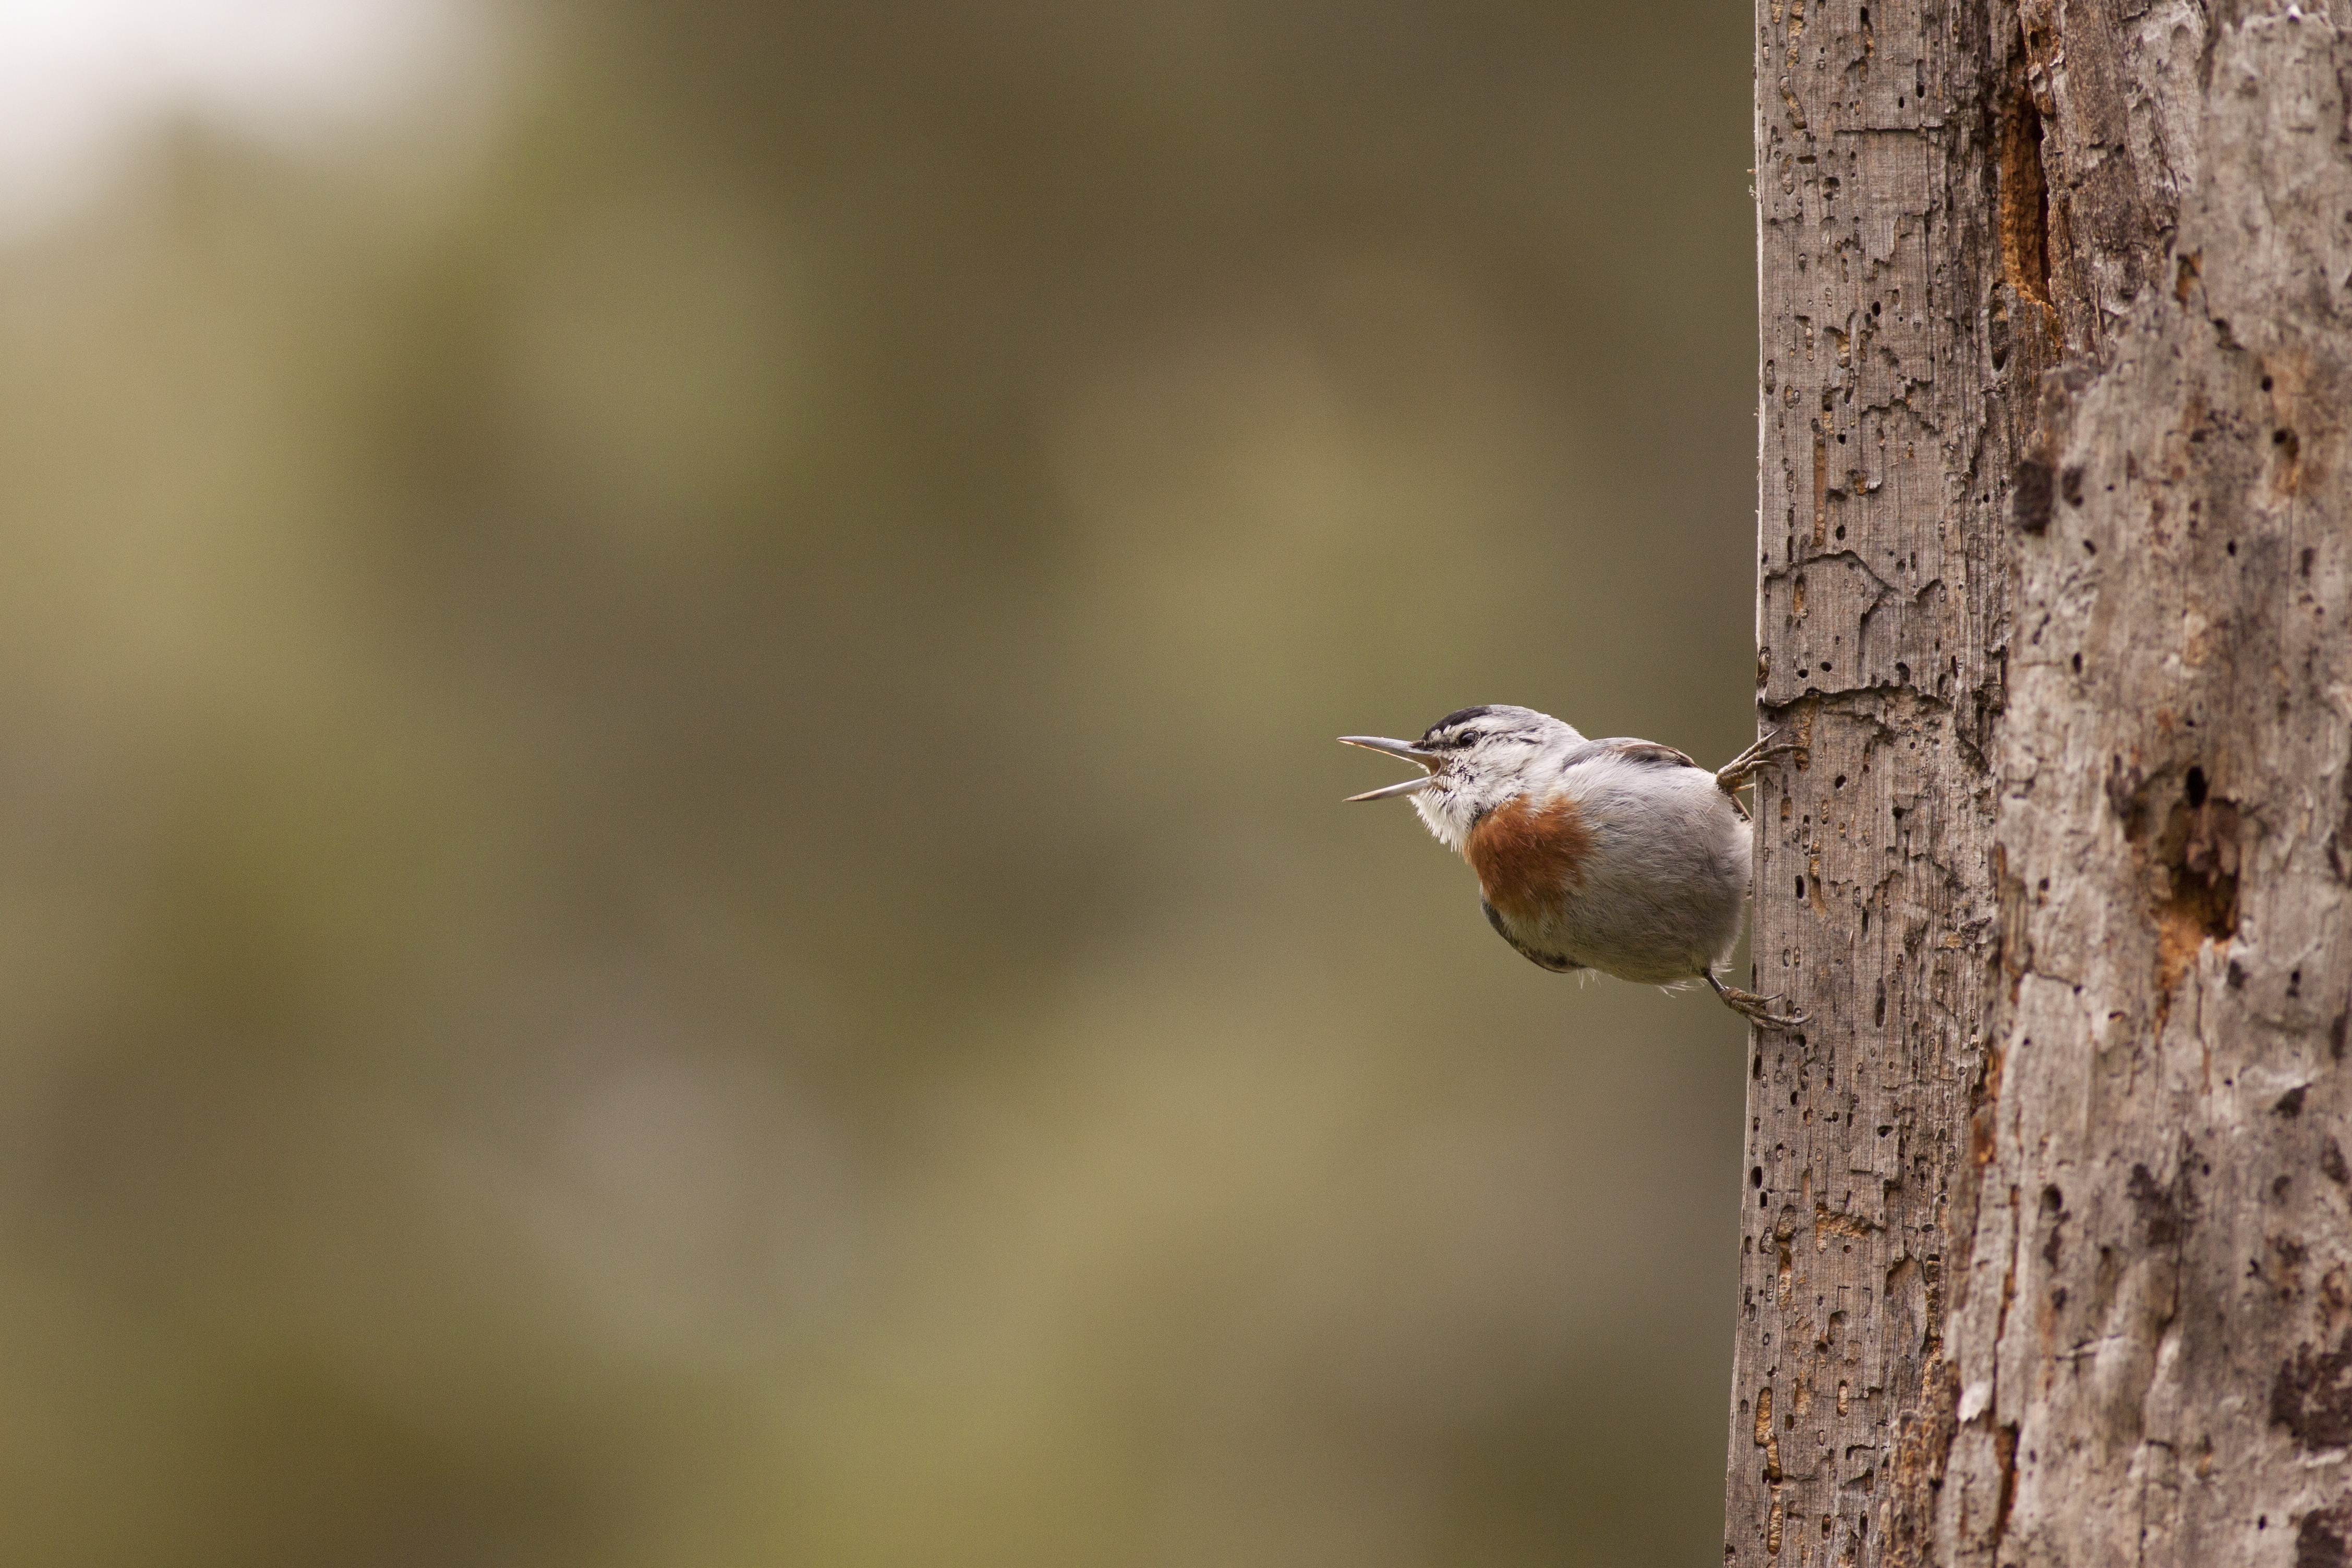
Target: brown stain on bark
2198,857
2024,213
1768,1437
1922,1444
2312,1396
2304,423
2191,868
1828,1223
2004,1442
2323,1538
1527,853
2031,491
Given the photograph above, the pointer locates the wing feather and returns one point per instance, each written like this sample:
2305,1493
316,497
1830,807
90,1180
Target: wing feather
1648,752
1552,962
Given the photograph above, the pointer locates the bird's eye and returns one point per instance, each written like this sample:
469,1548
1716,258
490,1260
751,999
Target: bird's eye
1467,738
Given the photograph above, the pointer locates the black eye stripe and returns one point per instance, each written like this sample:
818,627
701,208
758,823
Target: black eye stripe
1443,735
1459,716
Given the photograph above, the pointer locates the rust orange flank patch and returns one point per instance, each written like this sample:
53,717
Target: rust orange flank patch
1526,854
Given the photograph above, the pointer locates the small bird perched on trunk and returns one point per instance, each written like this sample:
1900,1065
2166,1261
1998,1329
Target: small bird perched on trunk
1621,856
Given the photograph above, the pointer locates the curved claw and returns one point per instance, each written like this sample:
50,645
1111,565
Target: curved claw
1756,1009
1737,773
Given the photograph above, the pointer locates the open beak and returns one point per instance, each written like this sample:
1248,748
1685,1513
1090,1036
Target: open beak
1404,749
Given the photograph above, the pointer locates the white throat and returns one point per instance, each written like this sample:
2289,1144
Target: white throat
1447,813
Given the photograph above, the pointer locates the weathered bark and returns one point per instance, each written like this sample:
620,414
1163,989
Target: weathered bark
2152,1345
2053,582
1888,437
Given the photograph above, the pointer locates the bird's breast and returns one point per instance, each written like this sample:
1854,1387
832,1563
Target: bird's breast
1527,853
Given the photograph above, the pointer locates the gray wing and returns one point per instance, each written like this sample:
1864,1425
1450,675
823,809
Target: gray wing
1619,748
1644,753
1552,962
1632,751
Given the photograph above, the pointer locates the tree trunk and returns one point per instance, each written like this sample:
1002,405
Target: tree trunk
1891,349
2152,1348
2054,580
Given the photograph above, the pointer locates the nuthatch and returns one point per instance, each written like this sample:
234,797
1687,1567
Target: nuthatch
1621,856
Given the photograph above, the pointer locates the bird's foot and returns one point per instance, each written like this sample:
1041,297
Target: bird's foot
1756,1010
1737,773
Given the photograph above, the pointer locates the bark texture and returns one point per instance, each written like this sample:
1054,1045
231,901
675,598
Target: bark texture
2047,1237
1889,437
2154,1337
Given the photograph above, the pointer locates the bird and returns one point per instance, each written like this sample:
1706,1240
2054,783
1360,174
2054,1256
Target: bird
1621,855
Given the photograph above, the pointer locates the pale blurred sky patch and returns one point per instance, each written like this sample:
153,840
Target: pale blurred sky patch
83,82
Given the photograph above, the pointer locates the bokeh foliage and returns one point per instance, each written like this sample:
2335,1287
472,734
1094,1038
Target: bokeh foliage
672,877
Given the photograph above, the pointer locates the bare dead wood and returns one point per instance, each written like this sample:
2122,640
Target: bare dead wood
2046,1237
1891,339
2153,1339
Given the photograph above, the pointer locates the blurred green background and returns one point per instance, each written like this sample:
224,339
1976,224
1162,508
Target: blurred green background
670,855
